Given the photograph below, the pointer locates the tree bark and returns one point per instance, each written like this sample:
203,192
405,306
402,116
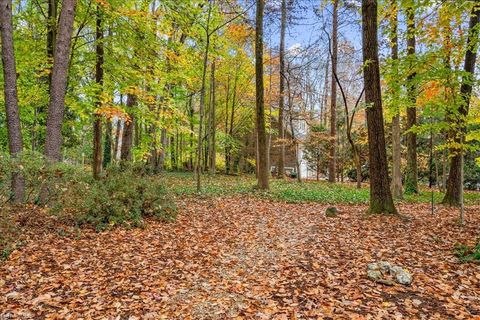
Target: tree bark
323,118
381,200
198,168
15,139
411,177
51,33
127,138
213,124
227,151
332,165
58,87
163,142
97,146
263,170
454,182
97,124
118,132
107,145
281,102
397,189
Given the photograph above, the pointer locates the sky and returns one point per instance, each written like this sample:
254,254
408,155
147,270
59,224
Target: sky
306,26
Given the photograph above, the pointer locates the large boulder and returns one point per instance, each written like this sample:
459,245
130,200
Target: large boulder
386,273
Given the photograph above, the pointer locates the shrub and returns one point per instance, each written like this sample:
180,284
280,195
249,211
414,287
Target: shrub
466,253
123,196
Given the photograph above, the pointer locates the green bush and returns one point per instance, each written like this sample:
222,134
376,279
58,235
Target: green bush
124,195
466,253
37,174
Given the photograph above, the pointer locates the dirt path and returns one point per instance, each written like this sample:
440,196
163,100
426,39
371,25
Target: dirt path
245,258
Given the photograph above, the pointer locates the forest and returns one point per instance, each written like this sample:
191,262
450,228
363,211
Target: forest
239,159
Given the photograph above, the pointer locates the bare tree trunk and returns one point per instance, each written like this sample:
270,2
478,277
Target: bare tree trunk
163,142
294,141
97,125
58,87
118,132
51,32
213,147
453,195
444,170
349,125
232,121
411,177
397,189
191,111
127,138
15,139
226,124
97,146
263,172
381,200
435,154
323,120
281,103
198,168
332,163
108,144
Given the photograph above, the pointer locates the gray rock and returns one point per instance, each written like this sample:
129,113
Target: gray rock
402,276
331,212
374,275
384,272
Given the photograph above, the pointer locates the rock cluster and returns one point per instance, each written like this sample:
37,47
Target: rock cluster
386,273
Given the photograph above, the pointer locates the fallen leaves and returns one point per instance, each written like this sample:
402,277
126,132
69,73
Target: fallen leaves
245,258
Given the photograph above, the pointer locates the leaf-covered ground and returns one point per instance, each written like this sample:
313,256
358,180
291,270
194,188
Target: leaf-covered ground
247,258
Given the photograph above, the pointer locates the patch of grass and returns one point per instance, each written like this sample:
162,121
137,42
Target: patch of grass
322,192
289,190
466,253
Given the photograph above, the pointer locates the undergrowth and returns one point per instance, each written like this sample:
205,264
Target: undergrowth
467,253
123,196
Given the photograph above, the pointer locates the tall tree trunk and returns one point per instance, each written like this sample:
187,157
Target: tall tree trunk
227,165
97,125
281,103
127,138
198,167
411,177
381,200
397,189
97,146
323,119
163,142
108,144
332,166
458,122
58,87
229,157
51,32
444,170
295,143
191,114
118,132
213,124
263,172
15,139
